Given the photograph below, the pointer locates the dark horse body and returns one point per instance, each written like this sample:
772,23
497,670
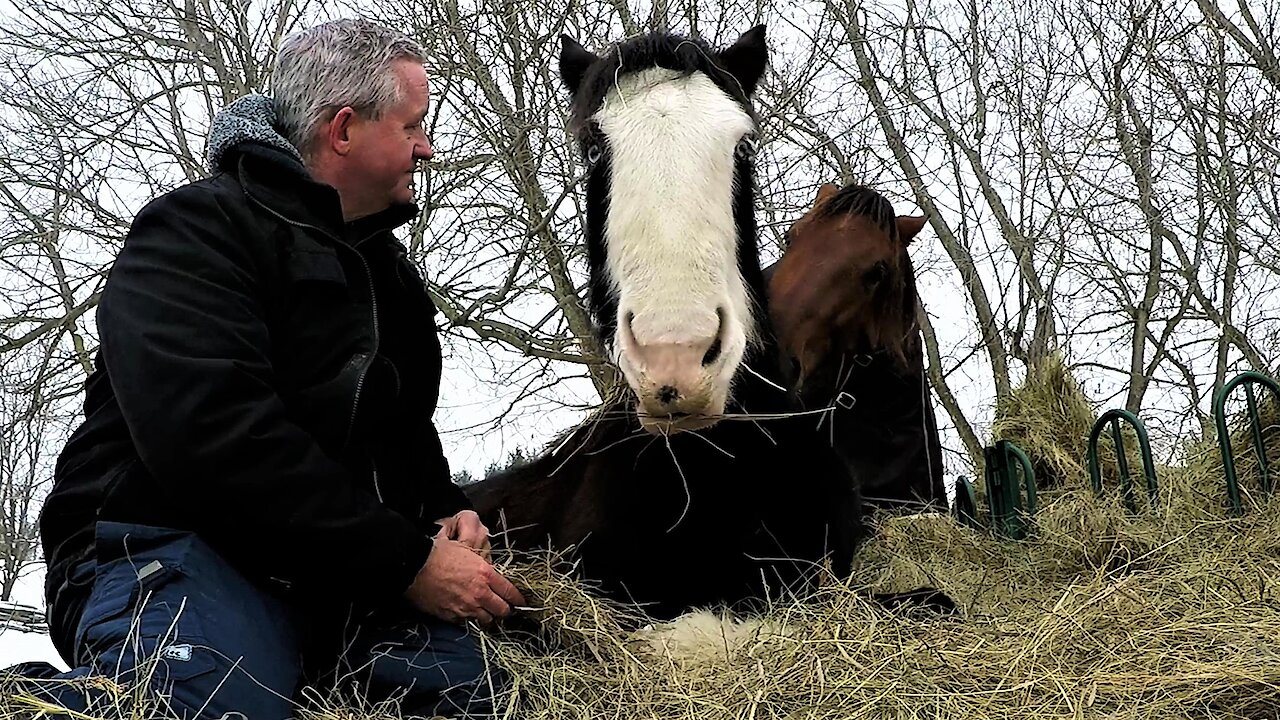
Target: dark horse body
721,517
751,503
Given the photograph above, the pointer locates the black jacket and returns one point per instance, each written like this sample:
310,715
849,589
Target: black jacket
266,377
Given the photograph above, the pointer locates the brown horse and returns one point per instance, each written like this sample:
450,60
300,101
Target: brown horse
843,306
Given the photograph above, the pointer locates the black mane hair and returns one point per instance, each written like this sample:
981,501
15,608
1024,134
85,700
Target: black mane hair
590,81
863,201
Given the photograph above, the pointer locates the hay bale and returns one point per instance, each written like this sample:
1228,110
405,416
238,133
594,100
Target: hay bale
1050,418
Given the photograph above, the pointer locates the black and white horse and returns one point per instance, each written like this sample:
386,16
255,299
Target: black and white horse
704,488
666,126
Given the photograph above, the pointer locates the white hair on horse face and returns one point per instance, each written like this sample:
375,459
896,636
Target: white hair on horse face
670,232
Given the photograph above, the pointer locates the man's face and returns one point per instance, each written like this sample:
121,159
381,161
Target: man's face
385,152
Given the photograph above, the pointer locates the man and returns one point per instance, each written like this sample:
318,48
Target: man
258,497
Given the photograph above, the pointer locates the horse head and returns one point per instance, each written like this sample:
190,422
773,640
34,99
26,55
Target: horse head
667,132
845,284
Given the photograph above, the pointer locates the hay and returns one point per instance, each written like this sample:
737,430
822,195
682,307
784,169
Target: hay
1171,614
1049,417
1099,614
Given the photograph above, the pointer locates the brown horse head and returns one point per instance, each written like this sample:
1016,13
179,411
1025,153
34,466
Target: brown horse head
845,283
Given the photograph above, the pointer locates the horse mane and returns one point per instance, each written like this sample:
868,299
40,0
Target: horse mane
862,201
682,54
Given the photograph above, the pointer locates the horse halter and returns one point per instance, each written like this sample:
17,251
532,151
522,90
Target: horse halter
843,397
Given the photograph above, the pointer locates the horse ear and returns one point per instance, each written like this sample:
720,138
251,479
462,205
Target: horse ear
746,59
909,227
824,192
574,62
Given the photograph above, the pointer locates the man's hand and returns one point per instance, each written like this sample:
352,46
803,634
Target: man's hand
466,528
457,584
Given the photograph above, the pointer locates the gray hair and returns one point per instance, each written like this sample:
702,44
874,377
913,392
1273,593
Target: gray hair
320,70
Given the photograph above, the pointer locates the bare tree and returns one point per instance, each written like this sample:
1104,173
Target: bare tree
22,465
1100,179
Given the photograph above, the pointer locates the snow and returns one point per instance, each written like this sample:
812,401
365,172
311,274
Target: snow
17,646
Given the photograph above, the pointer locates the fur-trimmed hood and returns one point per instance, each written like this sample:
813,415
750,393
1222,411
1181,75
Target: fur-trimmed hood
252,118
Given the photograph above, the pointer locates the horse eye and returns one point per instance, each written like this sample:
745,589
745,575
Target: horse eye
746,146
593,154
875,273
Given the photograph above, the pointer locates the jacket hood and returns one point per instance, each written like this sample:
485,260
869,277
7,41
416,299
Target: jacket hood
252,118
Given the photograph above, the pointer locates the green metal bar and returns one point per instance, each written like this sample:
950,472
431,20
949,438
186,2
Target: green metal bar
1224,437
1028,476
1003,492
1122,460
997,496
1259,448
1113,418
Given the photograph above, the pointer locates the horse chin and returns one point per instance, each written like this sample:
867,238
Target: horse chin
667,425
658,420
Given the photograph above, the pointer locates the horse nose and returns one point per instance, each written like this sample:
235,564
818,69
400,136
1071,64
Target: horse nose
674,371
667,394
790,366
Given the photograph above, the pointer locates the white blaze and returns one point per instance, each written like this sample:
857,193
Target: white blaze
670,231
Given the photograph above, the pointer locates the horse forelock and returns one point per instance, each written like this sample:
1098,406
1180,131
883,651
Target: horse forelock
863,201
684,55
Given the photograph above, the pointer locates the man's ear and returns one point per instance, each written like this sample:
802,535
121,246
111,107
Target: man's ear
338,130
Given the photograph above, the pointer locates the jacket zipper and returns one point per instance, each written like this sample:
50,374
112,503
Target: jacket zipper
373,302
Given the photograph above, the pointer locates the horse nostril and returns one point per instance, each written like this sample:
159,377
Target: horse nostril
667,394
713,352
792,365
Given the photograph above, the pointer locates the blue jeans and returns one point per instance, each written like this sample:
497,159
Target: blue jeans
167,611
